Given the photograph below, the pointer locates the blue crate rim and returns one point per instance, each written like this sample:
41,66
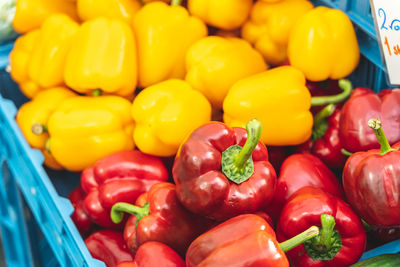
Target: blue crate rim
64,207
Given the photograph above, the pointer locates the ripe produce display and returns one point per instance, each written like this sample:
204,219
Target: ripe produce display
370,180
341,239
206,132
122,176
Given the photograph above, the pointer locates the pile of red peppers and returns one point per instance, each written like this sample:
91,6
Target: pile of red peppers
228,200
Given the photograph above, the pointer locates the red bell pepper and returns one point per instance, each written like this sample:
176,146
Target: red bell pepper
244,240
120,177
359,108
79,216
342,237
298,171
109,247
325,142
371,181
162,218
155,254
220,173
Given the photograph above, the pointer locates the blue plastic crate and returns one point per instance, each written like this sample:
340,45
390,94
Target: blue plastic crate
35,224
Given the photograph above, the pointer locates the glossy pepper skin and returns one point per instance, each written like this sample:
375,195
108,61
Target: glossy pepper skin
204,180
122,176
154,253
165,114
304,209
279,99
109,247
110,67
159,216
38,111
214,64
363,105
30,14
299,171
245,240
370,180
124,10
162,46
323,45
325,142
47,61
224,14
84,129
269,26
79,216
19,62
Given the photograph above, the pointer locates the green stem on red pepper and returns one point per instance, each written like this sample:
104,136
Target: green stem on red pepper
345,152
327,244
237,163
118,209
346,87
376,125
320,121
176,2
293,242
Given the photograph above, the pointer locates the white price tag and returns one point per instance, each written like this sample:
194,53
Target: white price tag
387,23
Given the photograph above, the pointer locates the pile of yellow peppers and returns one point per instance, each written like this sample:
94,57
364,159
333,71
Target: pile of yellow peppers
109,75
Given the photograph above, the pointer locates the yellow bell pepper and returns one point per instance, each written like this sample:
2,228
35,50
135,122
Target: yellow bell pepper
165,114
46,65
33,115
19,61
323,45
279,99
214,64
123,10
224,14
163,34
269,26
30,14
103,56
84,129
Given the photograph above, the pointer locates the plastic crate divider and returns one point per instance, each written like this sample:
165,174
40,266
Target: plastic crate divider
392,247
12,224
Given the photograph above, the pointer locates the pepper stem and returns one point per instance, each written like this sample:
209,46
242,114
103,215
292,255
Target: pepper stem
38,128
118,209
47,145
254,129
293,242
97,92
376,125
327,226
320,121
346,152
176,2
236,162
344,84
327,244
